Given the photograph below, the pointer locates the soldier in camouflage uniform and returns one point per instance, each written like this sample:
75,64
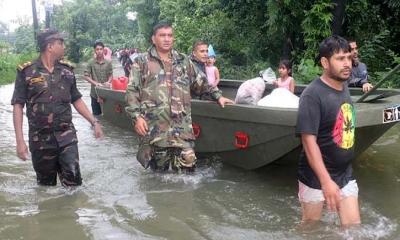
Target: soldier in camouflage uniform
158,99
48,87
199,55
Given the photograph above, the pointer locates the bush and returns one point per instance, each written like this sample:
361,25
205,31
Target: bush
306,71
9,63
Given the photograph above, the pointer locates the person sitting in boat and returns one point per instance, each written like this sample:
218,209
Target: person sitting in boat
359,73
285,79
199,55
158,102
211,70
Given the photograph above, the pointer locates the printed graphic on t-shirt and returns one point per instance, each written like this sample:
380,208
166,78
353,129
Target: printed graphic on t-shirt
343,131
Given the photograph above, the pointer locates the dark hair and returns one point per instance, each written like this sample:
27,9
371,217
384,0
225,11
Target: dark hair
332,45
198,43
162,24
350,39
286,63
98,43
47,36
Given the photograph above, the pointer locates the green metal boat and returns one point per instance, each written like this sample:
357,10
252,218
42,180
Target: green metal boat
250,137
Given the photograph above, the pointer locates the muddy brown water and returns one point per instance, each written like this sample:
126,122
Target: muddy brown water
120,200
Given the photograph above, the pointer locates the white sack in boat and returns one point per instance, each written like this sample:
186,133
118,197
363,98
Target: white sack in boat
250,91
268,75
280,97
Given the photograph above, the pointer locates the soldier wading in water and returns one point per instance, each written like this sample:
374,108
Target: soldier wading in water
158,98
47,86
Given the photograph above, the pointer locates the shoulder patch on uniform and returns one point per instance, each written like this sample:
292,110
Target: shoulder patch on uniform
24,65
67,63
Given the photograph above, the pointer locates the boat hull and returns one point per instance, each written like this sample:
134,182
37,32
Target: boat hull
270,131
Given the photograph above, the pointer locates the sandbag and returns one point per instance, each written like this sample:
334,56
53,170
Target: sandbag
280,97
250,91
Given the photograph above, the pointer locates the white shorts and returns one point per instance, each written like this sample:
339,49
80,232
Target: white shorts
309,195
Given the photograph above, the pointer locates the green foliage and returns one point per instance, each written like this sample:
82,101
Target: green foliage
317,26
306,71
89,20
24,40
393,3
9,62
374,47
248,36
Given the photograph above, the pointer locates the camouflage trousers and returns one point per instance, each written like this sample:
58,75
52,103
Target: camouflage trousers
171,157
63,161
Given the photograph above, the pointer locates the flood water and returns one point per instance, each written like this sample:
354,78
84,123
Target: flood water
120,200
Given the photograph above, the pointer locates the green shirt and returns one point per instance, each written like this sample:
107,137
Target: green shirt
98,71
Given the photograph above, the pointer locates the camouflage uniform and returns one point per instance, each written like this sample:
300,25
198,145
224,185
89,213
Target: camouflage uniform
160,93
52,136
198,64
202,68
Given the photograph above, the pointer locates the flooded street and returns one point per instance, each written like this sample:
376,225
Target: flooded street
120,200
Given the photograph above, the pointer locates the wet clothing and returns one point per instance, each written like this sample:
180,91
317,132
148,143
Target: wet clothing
311,195
359,75
329,115
48,97
96,107
176,158
160,93
63,161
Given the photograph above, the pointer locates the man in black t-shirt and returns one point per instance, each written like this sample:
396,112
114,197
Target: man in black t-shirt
326,124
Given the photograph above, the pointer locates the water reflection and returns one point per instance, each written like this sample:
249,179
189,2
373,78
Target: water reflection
119,200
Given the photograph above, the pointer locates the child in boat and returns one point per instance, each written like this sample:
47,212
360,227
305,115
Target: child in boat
285,79
212,71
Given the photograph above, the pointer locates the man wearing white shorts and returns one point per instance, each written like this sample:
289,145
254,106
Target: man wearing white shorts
326,124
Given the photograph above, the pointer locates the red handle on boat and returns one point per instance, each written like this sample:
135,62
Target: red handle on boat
241,140
118,108
196,130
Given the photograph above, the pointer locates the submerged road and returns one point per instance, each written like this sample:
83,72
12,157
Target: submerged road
120,200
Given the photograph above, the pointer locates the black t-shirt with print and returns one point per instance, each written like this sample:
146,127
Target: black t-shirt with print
329,115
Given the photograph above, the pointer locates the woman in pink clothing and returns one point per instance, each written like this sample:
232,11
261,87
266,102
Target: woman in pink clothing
285,79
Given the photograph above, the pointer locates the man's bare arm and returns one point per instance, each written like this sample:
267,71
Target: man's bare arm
81,107
22,149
